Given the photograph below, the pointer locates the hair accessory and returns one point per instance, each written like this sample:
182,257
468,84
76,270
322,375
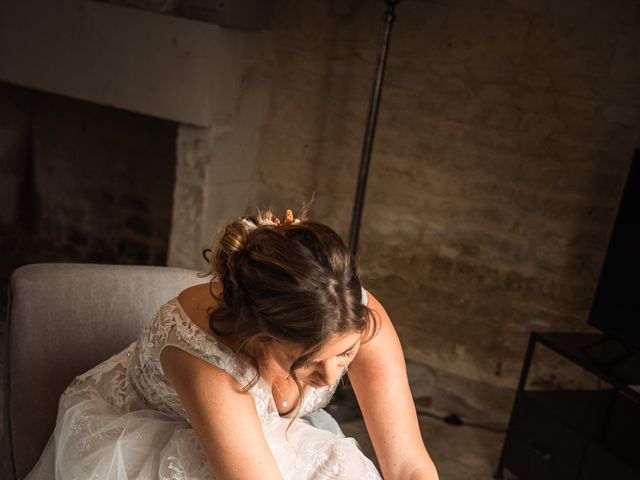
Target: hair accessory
287,218
250,222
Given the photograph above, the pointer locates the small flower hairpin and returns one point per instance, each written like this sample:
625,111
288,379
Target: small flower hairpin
287,218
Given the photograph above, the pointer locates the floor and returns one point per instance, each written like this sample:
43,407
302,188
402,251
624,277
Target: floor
459,452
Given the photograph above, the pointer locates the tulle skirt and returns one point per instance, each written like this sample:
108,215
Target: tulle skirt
105,432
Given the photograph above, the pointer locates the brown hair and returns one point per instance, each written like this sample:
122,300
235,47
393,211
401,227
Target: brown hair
296,283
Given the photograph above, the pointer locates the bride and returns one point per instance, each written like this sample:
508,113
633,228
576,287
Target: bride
229,379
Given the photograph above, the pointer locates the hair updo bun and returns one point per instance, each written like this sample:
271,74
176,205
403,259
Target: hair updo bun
292,280
227,259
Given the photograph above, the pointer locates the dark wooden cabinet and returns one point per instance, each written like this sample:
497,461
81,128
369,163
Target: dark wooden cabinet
577,434
599,465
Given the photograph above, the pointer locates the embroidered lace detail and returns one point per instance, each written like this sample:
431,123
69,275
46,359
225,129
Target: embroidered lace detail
173,327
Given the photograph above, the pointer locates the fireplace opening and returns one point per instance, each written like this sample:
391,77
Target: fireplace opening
82,182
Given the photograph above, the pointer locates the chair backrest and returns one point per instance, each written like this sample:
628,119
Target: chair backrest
63,320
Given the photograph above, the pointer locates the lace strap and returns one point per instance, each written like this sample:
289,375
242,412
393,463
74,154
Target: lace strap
365,296
182,332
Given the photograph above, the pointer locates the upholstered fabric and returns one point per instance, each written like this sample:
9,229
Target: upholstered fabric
65,319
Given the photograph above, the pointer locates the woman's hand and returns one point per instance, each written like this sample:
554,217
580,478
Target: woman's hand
379,378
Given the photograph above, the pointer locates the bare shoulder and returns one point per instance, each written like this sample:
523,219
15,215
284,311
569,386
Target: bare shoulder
382,317
382,352
373,302
194,294
379,378
179,366
196,301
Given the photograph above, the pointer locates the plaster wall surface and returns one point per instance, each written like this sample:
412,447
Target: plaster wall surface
158,65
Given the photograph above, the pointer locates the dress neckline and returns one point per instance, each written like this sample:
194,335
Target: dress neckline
229,351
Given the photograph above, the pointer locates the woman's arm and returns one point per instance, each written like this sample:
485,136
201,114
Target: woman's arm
223,417
379,378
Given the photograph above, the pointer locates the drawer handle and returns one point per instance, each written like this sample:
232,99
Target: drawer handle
541,451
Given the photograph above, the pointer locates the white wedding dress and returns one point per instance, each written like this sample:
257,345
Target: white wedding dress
121,420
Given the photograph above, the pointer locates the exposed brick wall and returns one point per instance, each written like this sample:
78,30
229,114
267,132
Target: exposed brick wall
15,138
505,132
104,179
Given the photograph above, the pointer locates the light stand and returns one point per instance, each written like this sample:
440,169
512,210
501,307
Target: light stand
367,147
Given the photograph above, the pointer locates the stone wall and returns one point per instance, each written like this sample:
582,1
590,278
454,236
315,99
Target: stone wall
216,166
505,133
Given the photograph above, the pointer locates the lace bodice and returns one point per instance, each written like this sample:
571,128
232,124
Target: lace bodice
172,326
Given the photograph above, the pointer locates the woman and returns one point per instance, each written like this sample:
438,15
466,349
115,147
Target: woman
229,379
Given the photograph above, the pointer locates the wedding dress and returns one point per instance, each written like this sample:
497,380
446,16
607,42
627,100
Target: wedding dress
122,420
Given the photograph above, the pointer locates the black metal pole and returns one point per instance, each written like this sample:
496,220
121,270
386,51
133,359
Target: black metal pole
367,147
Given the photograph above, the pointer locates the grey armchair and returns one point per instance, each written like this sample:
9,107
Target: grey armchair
63,320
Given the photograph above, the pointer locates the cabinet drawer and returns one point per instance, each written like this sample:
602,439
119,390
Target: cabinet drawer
539,447
599,464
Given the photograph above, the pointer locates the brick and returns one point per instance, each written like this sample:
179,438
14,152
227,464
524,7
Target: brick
570,46
571,105
533,146
534,81
447,69
132,251
627,115
625,66
477,39
477,276
453,302
102,198
619,92
494,94
574,85
592,130
536,101
548,125
139,225
503,118
76,237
